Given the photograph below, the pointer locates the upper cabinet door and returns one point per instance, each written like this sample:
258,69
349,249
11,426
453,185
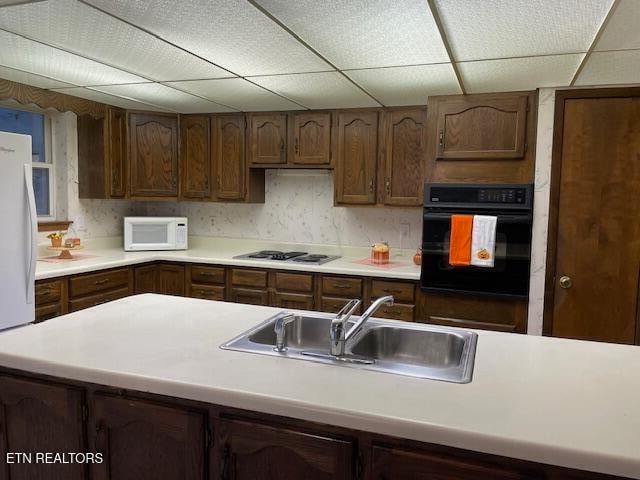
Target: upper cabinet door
484,127
195,160
357,151
153,155
229,156
117,153
268,139
312,139
405,156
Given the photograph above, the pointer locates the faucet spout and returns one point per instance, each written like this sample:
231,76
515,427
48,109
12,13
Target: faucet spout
373,308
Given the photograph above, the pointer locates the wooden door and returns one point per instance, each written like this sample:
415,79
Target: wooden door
312,139
40,417
229,156
145,440
405,156
252,451
395,464
145,279
250,296
170,279
153,155
595,291
92,152
268,139
117,153
357,152
297,301
484,127
195,159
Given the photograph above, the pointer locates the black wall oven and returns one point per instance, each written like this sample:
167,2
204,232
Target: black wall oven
513,207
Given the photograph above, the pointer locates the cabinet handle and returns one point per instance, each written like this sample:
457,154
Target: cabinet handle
341,286
281,147
101,282
391,291
218,182
371,185
297,147
387,185
224,462
100,435
441,139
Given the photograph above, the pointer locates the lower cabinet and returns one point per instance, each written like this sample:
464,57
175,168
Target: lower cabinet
249,296
164,278
146,441
251,451
37,417
396,464
296,301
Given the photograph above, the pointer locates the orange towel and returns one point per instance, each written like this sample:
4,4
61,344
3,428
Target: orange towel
460,241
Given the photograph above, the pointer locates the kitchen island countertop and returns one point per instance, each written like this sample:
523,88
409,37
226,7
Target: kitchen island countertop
554,401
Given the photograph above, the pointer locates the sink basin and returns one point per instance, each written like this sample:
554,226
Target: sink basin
414,347
416,350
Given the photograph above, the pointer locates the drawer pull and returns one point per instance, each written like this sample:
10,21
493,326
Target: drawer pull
101,282
392,291
342,286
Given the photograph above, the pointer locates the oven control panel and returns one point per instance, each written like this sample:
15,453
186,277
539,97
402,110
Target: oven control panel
478,196
501,195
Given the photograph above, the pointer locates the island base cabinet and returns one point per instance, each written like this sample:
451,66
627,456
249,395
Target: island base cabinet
146,441
251,451
390,463
40,417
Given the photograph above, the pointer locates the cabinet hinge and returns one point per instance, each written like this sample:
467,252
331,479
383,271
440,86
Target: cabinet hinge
85,412
209,438
359,468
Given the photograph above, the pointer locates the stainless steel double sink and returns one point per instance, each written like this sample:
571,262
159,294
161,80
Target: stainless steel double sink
415,350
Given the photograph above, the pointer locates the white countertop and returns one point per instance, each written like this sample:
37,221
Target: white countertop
108,253
555,401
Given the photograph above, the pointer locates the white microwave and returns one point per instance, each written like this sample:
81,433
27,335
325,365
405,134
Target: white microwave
155,233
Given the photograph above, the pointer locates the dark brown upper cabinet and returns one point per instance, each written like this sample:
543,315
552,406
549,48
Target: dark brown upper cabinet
153,155
480,128
404,156
195,158
481,138
311,139
268,139
117,152
356,157
229,156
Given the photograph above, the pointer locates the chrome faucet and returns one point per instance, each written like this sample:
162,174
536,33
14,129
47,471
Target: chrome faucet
338,334
280,327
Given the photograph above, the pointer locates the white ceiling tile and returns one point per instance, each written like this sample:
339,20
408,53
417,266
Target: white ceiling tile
17,52
478,29
81,29
231,33
608,68
364,33
165,97
30,79
237,93
623,29
519,73
407,85
317,90
108,99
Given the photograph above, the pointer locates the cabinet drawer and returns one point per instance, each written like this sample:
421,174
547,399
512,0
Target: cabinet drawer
249,278
249,296
48,292
402,292
293,300
348,287
202,274
397,311
333,305
93,300
296,282
208,292
45,312
82,285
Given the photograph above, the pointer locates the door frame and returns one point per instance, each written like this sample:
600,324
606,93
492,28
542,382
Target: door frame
554,198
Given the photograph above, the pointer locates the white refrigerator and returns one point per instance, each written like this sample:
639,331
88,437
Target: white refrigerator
18,248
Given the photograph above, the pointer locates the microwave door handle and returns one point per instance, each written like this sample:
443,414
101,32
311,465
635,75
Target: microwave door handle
501,218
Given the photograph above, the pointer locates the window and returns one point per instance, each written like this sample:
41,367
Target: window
38,126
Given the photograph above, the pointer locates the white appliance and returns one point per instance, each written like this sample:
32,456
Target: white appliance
18,252
155,233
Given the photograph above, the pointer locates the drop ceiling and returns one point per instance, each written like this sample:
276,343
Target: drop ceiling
197,56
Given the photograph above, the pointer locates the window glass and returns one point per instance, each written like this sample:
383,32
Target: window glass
41,190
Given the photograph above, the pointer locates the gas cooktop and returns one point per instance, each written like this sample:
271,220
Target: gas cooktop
277,255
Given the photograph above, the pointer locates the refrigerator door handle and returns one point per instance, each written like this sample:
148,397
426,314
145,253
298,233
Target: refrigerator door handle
33,241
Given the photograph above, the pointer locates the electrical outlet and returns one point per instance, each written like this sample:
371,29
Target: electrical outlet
405,228
212,223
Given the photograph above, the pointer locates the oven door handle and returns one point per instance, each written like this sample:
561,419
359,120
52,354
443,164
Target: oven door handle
526,218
